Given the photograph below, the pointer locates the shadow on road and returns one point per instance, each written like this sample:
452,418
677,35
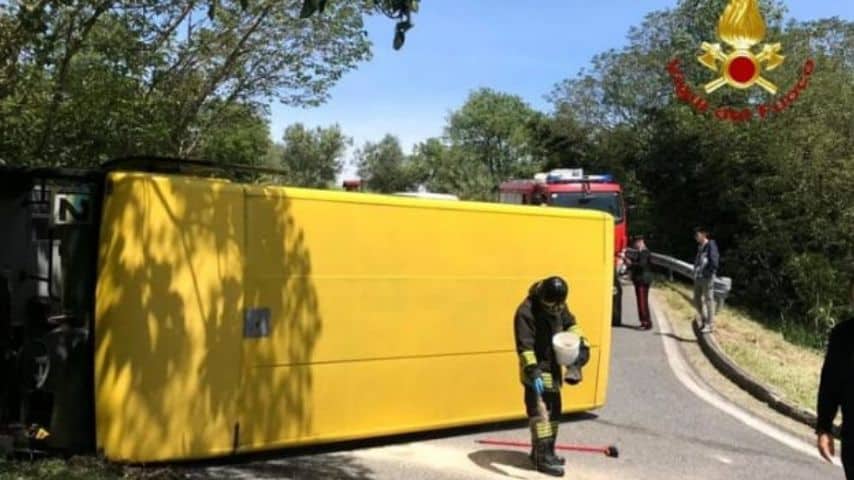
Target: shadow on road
327,467
576,417
491,460
244,465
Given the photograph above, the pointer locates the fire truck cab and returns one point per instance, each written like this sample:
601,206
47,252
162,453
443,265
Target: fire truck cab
571,188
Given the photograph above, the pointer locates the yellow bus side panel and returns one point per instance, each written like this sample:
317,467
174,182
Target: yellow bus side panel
387,315
391,318
384,397
169,302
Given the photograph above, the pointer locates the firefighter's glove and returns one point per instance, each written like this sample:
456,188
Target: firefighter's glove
573,374
539,386
534,378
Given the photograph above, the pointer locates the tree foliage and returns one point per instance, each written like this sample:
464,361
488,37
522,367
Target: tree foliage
492,129
489,139
384,167
401,10
86,80
776,192
237,135
311,158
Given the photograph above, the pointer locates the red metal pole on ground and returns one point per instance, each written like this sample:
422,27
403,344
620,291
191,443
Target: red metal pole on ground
609,451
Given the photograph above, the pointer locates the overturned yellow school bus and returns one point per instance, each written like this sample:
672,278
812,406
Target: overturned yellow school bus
231,318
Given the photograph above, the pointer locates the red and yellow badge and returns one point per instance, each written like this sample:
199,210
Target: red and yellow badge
740,64
741,27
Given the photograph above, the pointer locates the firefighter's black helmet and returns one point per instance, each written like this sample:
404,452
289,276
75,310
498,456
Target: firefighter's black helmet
553,290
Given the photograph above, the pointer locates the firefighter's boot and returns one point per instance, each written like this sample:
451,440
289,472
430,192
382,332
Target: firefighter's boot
553,457
541,459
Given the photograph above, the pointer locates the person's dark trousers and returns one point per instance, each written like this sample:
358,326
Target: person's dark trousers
642,294
848,458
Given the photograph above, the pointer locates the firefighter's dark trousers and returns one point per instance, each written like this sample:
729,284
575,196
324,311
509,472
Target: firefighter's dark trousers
543,428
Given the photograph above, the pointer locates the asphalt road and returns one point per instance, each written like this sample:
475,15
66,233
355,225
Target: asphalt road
663,430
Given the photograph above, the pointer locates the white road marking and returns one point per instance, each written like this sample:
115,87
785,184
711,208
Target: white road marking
687,377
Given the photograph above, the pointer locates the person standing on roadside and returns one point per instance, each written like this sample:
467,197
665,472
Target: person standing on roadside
836,391
705,269
641,274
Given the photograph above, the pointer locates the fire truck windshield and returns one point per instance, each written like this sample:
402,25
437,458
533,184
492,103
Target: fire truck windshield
608,202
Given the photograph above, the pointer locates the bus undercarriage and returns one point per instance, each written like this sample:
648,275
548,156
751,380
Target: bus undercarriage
47,271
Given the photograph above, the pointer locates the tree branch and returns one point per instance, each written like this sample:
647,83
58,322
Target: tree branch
72,47
170,28
216,78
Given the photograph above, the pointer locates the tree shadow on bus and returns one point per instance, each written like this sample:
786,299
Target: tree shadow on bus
174,376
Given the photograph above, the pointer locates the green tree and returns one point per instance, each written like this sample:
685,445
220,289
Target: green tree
237,135
312,157
490,140
444,168
775,192
560,140
384,167
84,81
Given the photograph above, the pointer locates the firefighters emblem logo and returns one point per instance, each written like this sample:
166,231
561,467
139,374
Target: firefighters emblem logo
741,27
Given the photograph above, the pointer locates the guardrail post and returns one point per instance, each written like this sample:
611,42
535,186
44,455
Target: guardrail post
722,287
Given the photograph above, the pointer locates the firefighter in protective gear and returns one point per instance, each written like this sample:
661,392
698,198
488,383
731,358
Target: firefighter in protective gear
541,315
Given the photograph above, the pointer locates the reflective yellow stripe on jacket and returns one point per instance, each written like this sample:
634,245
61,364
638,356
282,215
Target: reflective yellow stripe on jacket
527,359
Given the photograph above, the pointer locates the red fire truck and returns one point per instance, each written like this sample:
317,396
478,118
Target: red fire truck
571,188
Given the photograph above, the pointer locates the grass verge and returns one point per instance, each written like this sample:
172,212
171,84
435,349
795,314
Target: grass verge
793,370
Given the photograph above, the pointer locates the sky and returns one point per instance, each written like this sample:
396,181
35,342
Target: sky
523,47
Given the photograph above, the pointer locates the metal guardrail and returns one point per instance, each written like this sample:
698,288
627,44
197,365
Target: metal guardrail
722,287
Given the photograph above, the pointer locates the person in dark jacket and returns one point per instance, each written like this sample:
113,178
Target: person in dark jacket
705,269
541,315
639,267
836,391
